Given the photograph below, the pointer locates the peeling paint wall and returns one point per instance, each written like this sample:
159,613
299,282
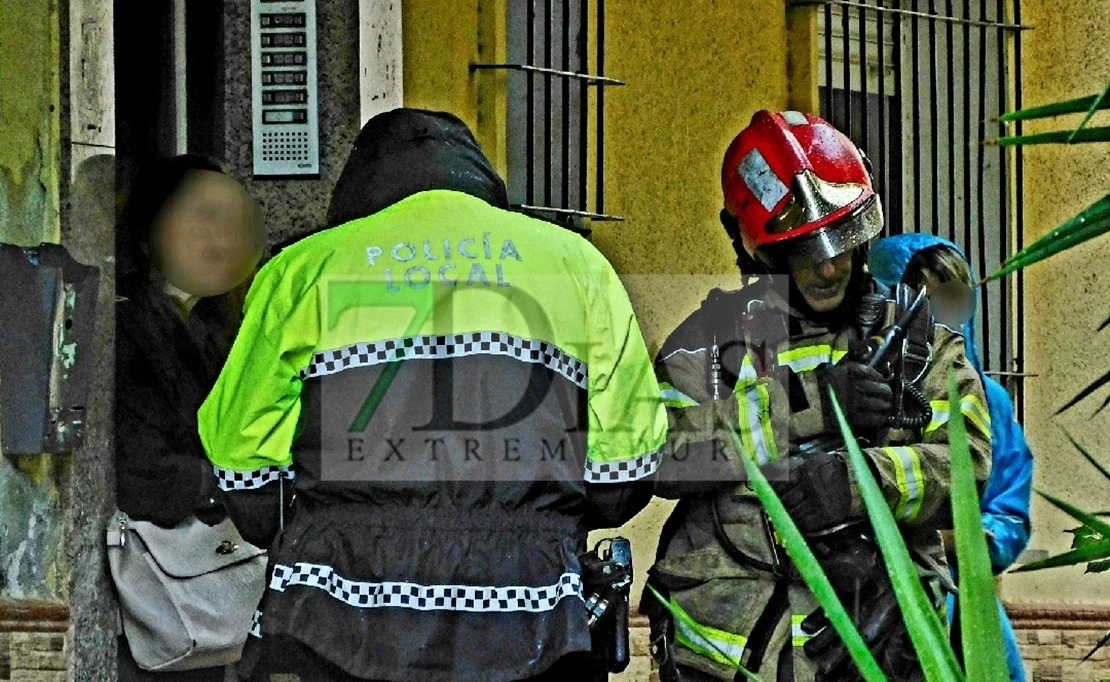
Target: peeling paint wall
31,520
31,564
380,62
29,122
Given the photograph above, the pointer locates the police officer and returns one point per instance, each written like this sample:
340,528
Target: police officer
801,211
455,394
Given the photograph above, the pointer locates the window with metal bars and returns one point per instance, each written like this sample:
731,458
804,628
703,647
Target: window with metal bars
919,85
555,138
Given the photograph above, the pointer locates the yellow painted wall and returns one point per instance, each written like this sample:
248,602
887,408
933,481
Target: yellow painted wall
29,122
1068,297
695,73
694,78
440,40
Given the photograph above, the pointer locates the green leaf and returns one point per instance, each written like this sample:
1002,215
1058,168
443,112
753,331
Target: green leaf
1090,520
1100,134
1085,537
1090,458
1098,567
681,617
1095,106
1073,558
1092,541
808,566
928,634
1071,106
1092,222
985,648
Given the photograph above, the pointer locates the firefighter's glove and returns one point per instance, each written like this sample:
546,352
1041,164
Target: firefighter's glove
864,395
815,490
879,620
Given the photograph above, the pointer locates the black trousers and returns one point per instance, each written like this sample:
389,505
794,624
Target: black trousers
291,657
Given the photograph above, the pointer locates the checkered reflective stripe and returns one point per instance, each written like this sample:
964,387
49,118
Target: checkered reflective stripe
442,347
256,624
427,597
624,470
229,479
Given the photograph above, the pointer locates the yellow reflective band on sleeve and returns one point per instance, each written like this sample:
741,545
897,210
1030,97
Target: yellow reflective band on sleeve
970,406
941,413
973,409
799,636
808,358
910,480
672,397
717,645
754,404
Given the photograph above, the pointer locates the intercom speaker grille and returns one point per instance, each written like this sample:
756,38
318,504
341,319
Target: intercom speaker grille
285,146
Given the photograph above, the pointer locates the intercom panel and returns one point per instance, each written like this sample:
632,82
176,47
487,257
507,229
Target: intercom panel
283,87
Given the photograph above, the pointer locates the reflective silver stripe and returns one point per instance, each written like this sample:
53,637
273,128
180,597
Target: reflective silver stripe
795,118
442,347
907,472
673,397
797,633
470,598
622,471
761,449
721,650
229,479
747,371
761,180
685,351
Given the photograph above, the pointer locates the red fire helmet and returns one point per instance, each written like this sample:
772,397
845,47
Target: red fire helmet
799,188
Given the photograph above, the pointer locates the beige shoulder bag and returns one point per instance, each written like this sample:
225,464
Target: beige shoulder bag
187,594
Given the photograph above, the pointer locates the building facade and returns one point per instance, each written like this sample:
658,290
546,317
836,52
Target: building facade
75,115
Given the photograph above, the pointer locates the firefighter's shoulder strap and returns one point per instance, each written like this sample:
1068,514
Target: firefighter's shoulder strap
917,346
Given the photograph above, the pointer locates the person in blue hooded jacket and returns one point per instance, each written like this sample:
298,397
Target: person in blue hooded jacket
938,265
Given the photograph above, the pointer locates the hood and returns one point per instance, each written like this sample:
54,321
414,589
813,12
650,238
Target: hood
888,261
406,151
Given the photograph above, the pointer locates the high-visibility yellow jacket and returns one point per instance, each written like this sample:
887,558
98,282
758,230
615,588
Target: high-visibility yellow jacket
723,598
451,388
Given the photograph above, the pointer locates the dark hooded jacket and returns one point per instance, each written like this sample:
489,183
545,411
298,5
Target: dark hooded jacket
447,452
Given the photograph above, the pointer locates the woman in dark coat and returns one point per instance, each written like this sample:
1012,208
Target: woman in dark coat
189,237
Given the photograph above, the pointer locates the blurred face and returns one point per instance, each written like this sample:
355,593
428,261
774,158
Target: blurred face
823,284
209,236
952,303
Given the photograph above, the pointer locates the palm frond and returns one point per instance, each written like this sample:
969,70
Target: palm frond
1094,221
1071,106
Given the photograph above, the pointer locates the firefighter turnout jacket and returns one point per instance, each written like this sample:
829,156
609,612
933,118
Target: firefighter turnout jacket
450,388
716,562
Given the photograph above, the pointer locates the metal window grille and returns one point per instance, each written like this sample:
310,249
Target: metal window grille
556,141
919,84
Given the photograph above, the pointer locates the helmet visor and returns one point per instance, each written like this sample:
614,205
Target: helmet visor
855,229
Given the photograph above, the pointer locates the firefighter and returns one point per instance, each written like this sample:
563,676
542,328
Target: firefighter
801,211
455,394
938,265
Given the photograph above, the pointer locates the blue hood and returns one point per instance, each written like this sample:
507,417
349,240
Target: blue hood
887,264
